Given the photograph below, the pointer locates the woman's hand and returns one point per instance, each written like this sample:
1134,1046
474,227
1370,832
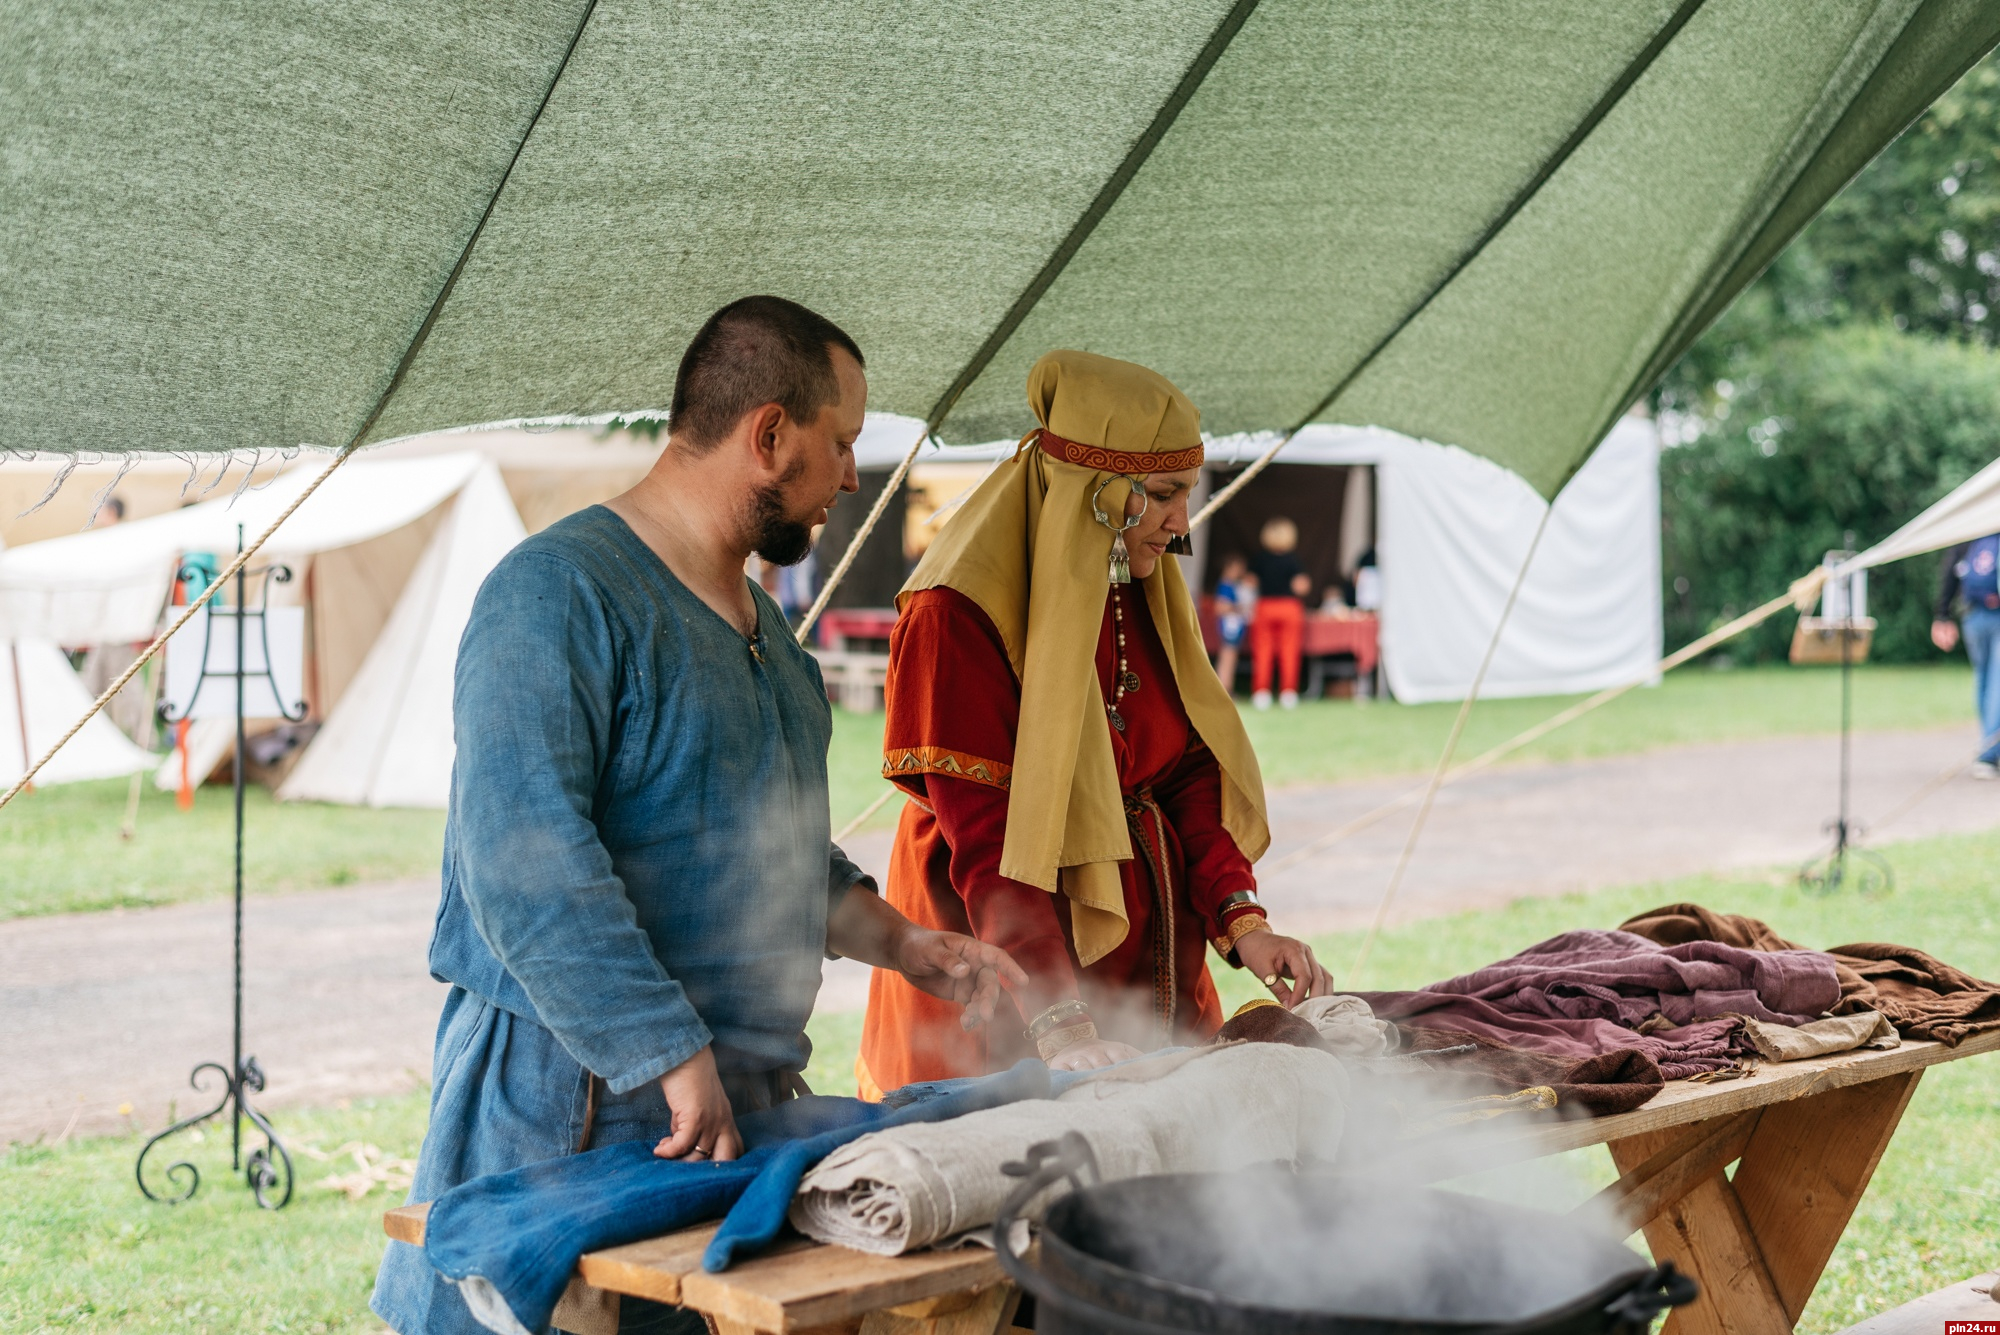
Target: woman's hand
957,968
1088,1054
1286,966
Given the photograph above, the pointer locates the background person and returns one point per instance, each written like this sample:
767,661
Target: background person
1235,597
1084,794
1277,631
1969,586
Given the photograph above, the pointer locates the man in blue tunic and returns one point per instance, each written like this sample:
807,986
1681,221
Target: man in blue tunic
639,874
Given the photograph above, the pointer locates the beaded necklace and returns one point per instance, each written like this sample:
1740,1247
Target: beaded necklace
1126,681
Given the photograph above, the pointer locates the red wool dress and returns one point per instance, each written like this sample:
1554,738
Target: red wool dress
953,709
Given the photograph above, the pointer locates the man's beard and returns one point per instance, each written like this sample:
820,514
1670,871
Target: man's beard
776,536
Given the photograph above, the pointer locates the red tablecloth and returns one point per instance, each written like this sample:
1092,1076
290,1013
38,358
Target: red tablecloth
836,626
1325,634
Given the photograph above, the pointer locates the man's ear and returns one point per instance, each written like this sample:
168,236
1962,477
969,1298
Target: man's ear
765,425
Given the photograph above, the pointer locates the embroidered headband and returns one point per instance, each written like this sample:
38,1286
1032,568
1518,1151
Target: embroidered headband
1116,461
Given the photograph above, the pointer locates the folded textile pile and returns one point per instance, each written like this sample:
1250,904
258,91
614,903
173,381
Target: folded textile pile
1205,1109
511,1240
1924,997
1596,993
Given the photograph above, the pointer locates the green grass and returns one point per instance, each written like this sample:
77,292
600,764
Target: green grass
1330,741
79,1249
60,850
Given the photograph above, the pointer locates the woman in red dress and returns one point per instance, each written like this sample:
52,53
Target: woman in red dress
1082,791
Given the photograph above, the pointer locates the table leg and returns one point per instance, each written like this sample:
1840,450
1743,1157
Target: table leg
1805,1170
1757,1243
981,1312
986,1311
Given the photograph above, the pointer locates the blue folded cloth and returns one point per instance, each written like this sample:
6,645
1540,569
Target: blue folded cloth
511,1240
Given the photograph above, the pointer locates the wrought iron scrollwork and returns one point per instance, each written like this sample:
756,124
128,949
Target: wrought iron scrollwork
268,1169
293,711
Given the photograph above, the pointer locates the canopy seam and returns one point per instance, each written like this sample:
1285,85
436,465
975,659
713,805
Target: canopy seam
1107,195
1584,128
423,333
1710,308
1603,107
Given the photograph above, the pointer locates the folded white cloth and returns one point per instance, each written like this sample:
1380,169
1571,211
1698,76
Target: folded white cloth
1211,1109
1349,1027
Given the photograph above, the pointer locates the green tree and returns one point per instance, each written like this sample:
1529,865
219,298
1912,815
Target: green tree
1847,388
1846,430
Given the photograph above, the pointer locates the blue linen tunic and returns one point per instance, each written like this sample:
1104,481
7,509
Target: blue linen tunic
638,863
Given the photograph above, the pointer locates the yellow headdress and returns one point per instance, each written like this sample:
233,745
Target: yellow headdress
1025,549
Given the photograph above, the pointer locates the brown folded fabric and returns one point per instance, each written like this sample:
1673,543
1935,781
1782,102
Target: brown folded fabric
1608,1082
1923,997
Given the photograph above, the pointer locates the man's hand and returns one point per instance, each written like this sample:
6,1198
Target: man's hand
958,968
1944,634
704,1126
944,964
1286,965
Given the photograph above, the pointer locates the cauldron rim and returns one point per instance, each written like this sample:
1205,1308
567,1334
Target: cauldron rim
1585,1312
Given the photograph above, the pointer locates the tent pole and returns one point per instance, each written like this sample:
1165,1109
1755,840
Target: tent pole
1450,749
21,714
236,770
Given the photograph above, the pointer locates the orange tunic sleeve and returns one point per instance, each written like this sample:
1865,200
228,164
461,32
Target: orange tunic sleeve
949,742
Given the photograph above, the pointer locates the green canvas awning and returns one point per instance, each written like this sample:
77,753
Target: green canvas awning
230,226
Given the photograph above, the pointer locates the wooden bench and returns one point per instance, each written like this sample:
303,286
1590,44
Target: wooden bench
1805,1137
853,680
1967,1300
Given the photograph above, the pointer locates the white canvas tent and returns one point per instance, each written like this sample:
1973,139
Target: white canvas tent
1969,510
1449,537
389,743
389,554
40,696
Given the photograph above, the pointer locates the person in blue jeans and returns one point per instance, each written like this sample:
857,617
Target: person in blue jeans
640,879
1970,588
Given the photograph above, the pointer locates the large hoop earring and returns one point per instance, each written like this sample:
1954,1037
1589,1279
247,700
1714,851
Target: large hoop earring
1121,559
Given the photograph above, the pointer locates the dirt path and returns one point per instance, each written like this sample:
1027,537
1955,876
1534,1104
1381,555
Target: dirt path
103,1009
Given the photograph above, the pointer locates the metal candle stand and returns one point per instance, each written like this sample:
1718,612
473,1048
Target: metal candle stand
268,1167
1847,862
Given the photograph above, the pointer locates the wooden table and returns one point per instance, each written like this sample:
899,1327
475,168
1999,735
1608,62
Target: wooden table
1805,1137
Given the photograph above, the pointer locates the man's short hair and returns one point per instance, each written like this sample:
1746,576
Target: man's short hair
754,351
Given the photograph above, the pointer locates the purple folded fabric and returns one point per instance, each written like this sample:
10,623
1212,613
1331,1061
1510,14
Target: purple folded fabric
1585,993
1611,975
1710,1045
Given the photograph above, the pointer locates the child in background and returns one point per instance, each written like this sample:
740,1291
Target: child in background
1234,597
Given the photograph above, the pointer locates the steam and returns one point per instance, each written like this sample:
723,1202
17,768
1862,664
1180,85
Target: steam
1399,1225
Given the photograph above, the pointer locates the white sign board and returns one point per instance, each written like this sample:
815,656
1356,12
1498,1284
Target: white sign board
282,629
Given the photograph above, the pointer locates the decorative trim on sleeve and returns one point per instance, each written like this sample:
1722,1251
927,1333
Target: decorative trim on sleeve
910,761
1240,926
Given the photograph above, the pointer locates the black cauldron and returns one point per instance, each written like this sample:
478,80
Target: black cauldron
1269,1251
